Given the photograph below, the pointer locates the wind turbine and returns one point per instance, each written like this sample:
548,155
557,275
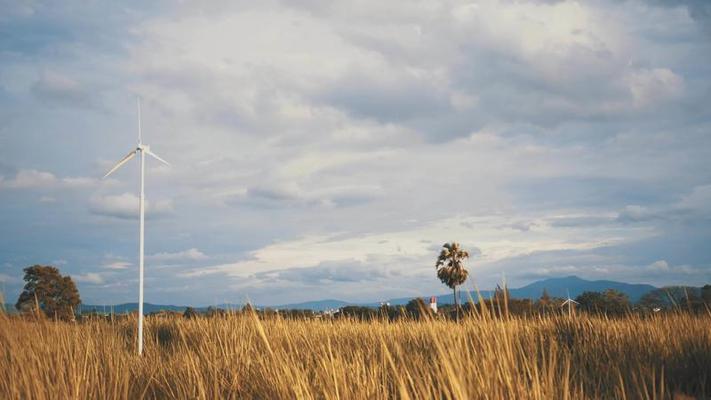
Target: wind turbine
143,149
570,303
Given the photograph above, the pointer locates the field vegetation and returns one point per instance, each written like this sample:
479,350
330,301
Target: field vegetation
245,355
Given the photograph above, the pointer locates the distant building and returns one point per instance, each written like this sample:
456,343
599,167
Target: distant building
433,304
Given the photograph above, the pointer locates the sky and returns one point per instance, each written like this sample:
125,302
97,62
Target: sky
327,150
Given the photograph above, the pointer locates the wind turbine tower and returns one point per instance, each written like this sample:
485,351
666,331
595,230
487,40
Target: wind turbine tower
143,149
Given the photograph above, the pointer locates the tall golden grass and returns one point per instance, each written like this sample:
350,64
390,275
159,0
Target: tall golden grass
243,356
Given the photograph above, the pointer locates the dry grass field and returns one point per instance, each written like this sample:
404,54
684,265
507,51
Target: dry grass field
241,356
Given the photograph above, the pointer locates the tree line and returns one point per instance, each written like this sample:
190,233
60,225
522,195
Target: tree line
48,293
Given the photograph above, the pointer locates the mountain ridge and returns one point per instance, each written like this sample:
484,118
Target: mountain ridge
556,287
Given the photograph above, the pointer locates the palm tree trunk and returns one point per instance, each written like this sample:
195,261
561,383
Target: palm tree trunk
456,302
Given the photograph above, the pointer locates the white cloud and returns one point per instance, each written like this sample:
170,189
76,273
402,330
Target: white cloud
5,278
30,178
117,265
90,277
699,200
115,262
79,182
651,86
322,137
483,233
660,265
55,88
188,255
125,206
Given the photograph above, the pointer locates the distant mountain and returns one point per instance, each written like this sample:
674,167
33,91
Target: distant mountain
556,287
559,287
320,305
129,307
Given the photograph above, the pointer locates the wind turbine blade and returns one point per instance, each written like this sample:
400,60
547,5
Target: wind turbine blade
150,153
118,165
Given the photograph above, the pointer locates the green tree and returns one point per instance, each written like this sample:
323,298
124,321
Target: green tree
545,302
450,268
706,294
54,294
359,312
214,312
687,298
654,299
616,302
591,301
417,308
610,301
190,313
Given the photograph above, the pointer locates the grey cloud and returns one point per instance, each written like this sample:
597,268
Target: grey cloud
33,179
27,179
5,278
387,99
635,213
125,206
50,28
692,207
55,88
474,251
7,170
189,255
700,10
94,278
568,222
440,115
335,271
581,191
292,196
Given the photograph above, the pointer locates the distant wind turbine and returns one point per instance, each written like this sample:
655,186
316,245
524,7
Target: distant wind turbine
143,149
570,303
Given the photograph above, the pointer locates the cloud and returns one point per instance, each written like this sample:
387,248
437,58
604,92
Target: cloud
5,278
30,178
482,235
660,265
33,179
389,97
57,89
654,86
691,207
636,213
188,255
117,265
291,195
699,10
79,182
125,206
324,137
90,277
330,271
697,201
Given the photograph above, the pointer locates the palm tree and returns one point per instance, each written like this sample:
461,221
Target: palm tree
450,268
